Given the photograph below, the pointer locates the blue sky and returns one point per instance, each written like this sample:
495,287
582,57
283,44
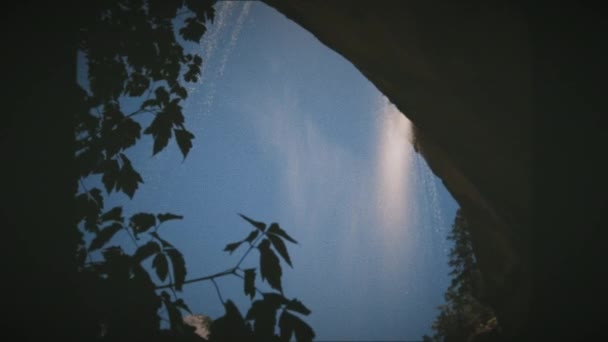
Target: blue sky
288,131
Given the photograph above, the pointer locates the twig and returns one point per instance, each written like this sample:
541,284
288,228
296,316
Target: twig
172,287
139,111
251,246
211,277
217,289
131,236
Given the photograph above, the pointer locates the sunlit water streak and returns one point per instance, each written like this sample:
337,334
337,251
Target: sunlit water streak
215,50
407,198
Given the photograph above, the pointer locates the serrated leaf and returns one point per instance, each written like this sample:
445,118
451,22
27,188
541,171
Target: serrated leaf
105,235
141,222
162,96
289,324
192,74
275,229
193,30
125,135
231,247
263,315
137,84
270,269
128,179
279,245
275,299
297,306
286,327
114,214
110,171
184,140
230,327
249,282
259,225
204,10
161,265
168,216
179,267
88,208
179,91
160,129
146,251
174,110
254,234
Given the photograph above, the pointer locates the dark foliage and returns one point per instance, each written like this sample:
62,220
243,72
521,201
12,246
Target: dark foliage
464,315
135,49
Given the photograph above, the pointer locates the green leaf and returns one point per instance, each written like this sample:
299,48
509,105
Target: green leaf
231,326
250,282
128,179
174,110
89,159
184,140
204,10
297,306
286,327
114,214
161,265
254,234
179,91
88,208
137,84
146,251
270,268
104,236
175,316
168,216
124,136
275,229
193,30
289,324
259,225
279,245
275,299
106,78
160,129
162,95
263,314
194,70
141,222
179,267
110,171
231,247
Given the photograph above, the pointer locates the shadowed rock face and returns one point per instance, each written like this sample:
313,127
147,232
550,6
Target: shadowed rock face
462,75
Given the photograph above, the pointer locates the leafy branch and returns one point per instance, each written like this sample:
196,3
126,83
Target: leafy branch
133,50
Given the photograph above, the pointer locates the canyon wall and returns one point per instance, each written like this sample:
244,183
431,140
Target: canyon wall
462,74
